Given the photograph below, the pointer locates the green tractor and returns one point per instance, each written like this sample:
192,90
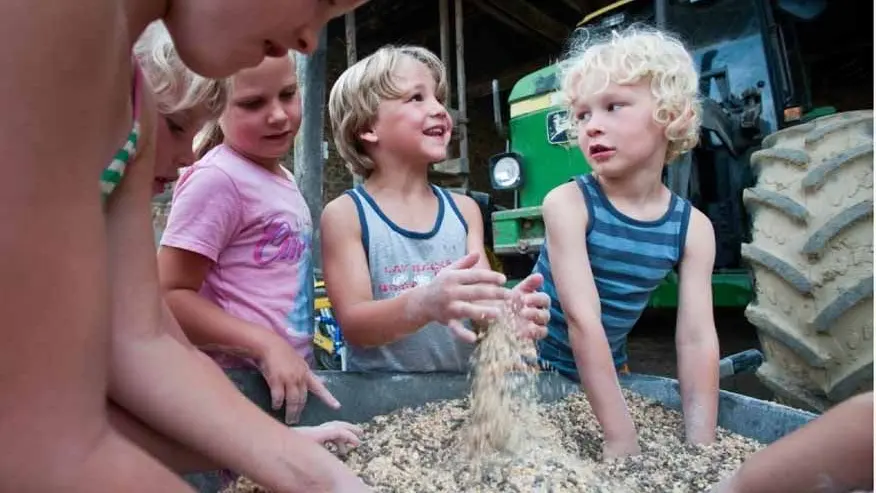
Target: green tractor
788,187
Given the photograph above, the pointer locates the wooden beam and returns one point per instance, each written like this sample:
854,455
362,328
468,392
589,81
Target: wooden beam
460,85
352,57
523,12
444,30
514,24
309,154
350,31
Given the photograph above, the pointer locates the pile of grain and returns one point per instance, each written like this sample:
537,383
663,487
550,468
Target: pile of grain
500,439
423,450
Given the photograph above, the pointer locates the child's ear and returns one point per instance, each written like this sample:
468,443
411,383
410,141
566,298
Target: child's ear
369,136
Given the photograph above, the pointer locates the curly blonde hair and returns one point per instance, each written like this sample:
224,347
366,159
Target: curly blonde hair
627,57
357,93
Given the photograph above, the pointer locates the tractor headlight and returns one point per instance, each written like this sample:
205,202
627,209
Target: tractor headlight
506,171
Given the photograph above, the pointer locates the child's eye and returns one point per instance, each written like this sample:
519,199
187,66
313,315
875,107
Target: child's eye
287,95
416,97
615,106
250,104
582,116
174,127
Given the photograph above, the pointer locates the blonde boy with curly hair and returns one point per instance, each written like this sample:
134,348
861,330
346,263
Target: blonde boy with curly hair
403,259
614,234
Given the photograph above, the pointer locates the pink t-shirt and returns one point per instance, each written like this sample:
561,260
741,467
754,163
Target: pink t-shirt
256,228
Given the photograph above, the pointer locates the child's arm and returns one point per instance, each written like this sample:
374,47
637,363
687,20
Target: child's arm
448,299
831,454
168,386
208,326
205,215
534,312
696,338
565,219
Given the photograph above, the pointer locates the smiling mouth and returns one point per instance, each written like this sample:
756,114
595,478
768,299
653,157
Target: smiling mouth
436,131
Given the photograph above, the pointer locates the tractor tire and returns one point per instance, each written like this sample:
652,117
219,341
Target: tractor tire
811,255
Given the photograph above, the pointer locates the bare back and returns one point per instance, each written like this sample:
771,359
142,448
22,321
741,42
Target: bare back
66,108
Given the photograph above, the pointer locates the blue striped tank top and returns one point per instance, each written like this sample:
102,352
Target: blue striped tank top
629,259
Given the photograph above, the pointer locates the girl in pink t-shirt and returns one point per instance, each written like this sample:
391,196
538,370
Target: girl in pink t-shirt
235,260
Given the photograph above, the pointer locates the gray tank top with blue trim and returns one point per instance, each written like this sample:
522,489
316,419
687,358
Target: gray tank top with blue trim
399,259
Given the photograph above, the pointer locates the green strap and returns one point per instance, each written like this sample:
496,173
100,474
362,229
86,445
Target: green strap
112,175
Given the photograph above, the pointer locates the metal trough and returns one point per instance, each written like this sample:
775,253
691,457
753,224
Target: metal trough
365,395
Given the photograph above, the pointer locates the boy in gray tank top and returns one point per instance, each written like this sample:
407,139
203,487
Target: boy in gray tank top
403,260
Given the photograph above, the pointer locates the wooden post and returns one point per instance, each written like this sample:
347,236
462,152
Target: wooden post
350,30
352,56
460,90
444,17
309,152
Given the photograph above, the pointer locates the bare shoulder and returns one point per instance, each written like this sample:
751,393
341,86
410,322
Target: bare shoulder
96,112
565,200
467,206
341,216
700,237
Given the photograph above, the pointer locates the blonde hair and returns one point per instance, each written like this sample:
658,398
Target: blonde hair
211,135
630,56
356,94
176,87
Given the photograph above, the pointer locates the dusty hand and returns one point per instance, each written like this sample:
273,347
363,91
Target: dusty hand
290,378
454,293
343,435
726,485
612,449
534,313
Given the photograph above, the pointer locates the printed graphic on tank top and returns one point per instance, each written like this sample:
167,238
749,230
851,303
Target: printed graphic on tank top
398,260
629,258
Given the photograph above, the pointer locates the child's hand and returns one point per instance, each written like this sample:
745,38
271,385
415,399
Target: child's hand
343,435
290,378
453,295
726,485
534,312
612,449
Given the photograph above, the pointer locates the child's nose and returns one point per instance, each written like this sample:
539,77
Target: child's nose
278,113
438,109
306,42
592,127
